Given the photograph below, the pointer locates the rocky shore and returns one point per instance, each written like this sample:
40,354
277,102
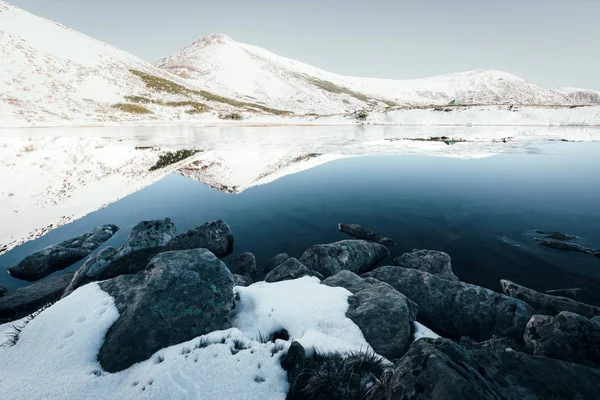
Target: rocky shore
340,321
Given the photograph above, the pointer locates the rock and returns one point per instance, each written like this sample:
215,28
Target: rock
572,293
240,280
441,369
348,280
3,290
91,269
215,236
275,262
359,232
435,262
565,246
597,254
556,235
566,336
244,264
290,269
21,302
596,319
61,255
357,256
547,304
293,363
180,295
454,308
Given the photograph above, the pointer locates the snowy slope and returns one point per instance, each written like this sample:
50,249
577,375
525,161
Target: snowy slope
249,72
583,96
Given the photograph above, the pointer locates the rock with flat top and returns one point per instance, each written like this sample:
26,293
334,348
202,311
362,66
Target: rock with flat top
290,269
363,233
435,262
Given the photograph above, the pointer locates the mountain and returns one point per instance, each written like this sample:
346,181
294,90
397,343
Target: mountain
584,96
242,71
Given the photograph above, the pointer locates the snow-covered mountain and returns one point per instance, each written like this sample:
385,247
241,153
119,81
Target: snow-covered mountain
583,96
255,74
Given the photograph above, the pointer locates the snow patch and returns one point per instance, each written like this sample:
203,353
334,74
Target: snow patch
421,331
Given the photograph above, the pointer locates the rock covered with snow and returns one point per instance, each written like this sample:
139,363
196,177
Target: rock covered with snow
566,336
61,255
357,256
435,262
244,264
361,232
180,295
216,236
275,261
458,308
290,269
547,304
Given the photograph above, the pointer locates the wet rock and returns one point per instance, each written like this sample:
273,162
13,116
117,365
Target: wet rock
553,244
357,256
3,290
566,336
360,232
244,264
290,269
275,262
215,236
21,302
293,363
547,304
61,255
571,293
441,369
454,308
180,295
556,235
240,280
91,269
435,262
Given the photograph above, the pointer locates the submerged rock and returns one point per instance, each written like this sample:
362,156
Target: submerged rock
92,269
290,269
435,262
441,369
180,295
61,255
566,336
457,308
357,256
556,235
244,264
21,302
215,236
547,304
360,232
275,262
553,244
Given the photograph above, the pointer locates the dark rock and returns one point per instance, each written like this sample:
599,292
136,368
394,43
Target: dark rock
290,269
21,302
357,256
348,280
547,304
275,262
61,255
244,264
215,236
565,246
596,319
571,293
456,308
91,269
293,363
441,369
556,235
359,232
435,262
180,295
240,280
566,336
3,290
597,254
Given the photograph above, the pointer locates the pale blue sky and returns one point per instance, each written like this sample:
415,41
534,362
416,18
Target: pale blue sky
551,42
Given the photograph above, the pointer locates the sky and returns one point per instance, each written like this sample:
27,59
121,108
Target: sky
551,42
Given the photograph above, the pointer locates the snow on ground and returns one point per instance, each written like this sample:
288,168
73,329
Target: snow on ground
56,355
421,331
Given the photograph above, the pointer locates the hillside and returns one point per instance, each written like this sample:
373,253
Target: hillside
584,96
249,72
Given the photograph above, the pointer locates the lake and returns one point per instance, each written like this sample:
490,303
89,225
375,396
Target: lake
482,211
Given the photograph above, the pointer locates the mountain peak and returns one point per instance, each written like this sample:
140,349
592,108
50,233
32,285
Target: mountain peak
211,40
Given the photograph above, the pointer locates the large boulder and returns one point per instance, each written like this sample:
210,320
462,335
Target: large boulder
61,255
547,304
244,264
566,336
456,308
358,256
440,369
435,262
275,262
360,232
290,269
24,301
180,295
215,236
348,280
92,269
